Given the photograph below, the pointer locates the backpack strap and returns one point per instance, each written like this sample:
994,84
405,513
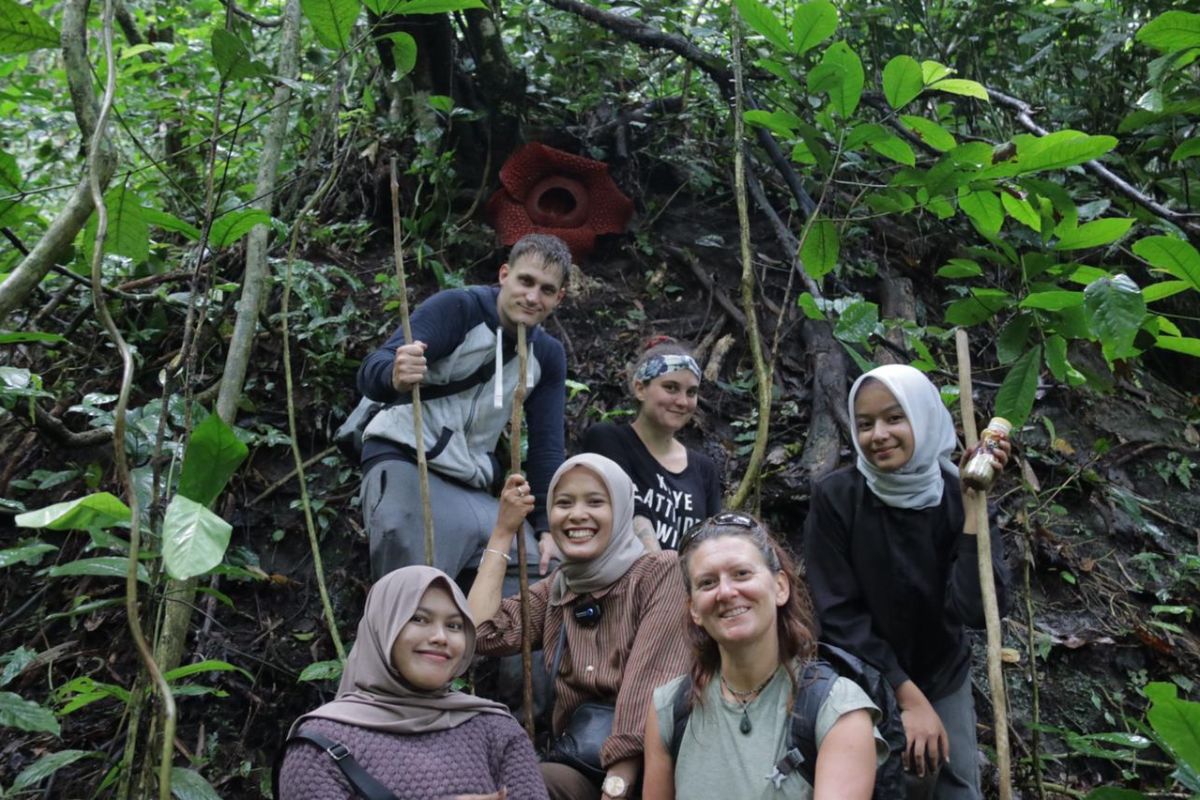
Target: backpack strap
813,687
361,781
681,711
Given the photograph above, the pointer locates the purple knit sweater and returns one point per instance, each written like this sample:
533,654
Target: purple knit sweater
481,755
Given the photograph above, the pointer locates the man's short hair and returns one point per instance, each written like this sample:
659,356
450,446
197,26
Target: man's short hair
552,251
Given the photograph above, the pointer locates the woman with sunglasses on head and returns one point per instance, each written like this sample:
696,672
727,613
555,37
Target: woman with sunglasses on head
397,716
610,618
676,486
892,559
753,639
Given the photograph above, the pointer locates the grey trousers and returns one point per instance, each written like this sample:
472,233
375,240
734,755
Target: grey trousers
958,778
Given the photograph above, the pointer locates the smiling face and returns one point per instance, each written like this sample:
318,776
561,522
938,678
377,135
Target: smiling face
530,289
581,515
884,433
668,401
734,595
430,646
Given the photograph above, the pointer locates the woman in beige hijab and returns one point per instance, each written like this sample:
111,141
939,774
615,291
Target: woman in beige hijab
397,714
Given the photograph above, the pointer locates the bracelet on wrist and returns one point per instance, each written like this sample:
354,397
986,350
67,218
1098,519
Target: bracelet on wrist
500,553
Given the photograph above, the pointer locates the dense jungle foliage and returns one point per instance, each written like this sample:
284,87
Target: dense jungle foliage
820,186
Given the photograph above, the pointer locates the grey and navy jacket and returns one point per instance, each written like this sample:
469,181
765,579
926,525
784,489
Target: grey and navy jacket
461,428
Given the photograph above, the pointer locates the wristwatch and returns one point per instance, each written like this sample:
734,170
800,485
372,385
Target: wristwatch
614,786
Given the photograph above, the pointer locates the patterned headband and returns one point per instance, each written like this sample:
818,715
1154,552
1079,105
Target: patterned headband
661,365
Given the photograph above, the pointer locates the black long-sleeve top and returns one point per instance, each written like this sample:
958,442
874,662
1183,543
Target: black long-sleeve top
897,586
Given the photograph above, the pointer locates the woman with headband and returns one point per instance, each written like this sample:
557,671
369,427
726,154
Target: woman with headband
676,487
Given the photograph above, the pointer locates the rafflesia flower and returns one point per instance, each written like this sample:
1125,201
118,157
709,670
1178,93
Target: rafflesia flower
549,191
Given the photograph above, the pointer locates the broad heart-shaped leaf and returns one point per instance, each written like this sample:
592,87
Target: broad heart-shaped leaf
844,97
1179,344
1176,721
232,58
961,86
930,132
194,538
1174,30
1094,233
100,567
984,209
100,510
404,52
1114,309
812,23
128,230
902,81
46,766
1188,149
17,712
857,322
230,227
332,20
1171,255
1054,300
382,7
820,249
764,22
1015,399
23,30
187,784
213,455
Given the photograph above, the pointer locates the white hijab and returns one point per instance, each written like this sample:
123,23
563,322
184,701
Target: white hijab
917,484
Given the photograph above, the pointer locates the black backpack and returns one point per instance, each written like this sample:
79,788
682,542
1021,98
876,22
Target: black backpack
815,682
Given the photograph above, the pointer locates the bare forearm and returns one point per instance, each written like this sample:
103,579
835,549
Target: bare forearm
488,589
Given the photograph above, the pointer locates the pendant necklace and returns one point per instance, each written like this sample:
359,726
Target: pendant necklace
744,699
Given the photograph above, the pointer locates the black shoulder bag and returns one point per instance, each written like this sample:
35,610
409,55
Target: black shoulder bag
364,784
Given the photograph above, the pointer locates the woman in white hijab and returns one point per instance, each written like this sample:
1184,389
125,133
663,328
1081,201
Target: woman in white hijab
397,714
612,618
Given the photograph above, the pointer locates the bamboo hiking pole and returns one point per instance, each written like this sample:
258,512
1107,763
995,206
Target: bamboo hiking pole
514,445
987,580
418,436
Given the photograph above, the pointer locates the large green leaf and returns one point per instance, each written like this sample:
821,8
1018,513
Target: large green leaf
980,306
233,59
1053,300
1188,149
322,671
984,209
187,784
100,567
1174,30
820,249
100,510
812,23
332,20
902,81
23,30
1015,399
1010,344
46,766
1164,289
26,554
1176,721
764,22
930,132
128,229
1053,151
957,268
1093,234
857,322
847,91
10,172
25,715
382,7
404,52
932,71
1020,209
1171,255
1114,309
213,454
194,538
161,219
961,86
229,228
1179,344
781,122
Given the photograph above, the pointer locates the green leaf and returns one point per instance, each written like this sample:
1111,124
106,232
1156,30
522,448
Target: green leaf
808,305
404,52
764,22
812,23
1171,255
322,671
1172,31
961,86
1163,289
1114,309
101,567
170,222
980,306
194,538
857,322
780,122
1020,209
46,766
1010,344
1053,151
22,30
1093,234
1179,344
1056,357
960,268
17,712
26,554
892,146
1015,399
100,510
229,228
932,71
984,209
844,96
902,81
187,784
128,230
1176,721
204,666
1053,300
1188,149
441,102
332,20
24,337
930,132
232,58
213,455
10,172
382,7
820,249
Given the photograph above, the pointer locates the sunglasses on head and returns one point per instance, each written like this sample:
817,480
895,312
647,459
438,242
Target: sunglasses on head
734,519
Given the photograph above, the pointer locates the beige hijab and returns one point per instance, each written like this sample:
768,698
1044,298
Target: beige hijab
624,548
372,693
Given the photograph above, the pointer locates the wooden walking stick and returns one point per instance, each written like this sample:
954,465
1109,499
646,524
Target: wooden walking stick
987,580
422,464
514,446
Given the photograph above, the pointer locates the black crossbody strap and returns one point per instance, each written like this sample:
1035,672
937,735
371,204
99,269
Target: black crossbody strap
365,785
